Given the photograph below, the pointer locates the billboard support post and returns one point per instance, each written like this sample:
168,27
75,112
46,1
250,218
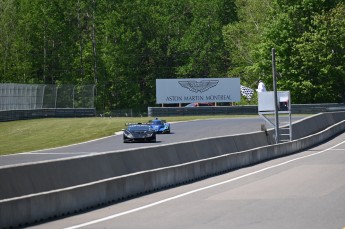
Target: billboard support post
273,103
275,96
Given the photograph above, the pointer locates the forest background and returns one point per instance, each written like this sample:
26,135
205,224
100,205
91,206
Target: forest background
123,46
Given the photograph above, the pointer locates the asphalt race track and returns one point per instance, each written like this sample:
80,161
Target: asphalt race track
304,190
181,131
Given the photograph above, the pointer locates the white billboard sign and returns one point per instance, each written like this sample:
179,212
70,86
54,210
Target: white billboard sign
197,90
266,101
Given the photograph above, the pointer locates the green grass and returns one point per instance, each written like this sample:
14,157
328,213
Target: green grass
36,134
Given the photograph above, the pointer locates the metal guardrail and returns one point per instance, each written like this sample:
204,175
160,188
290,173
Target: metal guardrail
240,110
13,115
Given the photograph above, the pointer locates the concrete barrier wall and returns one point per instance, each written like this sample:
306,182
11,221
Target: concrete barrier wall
45,176
315,124
111,177
71,200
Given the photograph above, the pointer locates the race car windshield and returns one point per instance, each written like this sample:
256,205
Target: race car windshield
138,128
157,122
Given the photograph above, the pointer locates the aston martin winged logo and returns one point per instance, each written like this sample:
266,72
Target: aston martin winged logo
196,86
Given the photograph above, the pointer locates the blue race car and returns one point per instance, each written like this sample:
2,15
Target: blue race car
160,126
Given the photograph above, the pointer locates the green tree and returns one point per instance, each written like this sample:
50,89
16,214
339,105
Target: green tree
244,36
203,41
320,54
288,32
15,64
146,40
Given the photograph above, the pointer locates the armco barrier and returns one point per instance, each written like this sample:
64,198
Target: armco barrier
240,109
12,115
139,175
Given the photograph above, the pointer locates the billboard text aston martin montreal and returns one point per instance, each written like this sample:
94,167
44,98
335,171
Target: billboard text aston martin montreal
197,90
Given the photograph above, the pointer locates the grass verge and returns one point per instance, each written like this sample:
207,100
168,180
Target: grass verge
36,134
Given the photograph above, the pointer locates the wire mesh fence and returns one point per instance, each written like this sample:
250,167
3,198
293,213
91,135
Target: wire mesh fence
38,96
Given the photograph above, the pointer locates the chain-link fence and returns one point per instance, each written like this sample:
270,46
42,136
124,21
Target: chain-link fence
38,96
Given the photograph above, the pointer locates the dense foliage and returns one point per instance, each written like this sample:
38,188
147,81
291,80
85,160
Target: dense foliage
308,37
122,46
